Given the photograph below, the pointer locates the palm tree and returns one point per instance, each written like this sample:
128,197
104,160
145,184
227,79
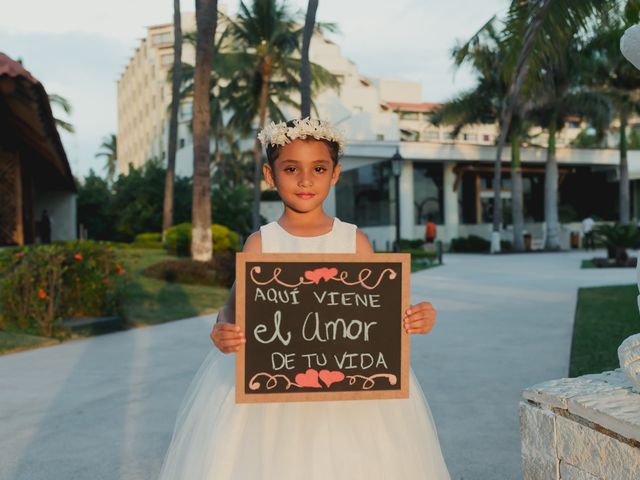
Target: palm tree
562,94
109,151
536,30
268,38
305,66
63,103
207,21
619,80
486,51
176,80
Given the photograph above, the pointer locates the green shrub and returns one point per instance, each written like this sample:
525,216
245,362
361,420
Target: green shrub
178,239
218,272
419,253
42,284
411,244
476,244
148,240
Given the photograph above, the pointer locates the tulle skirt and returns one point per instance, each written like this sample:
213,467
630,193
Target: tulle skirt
215,438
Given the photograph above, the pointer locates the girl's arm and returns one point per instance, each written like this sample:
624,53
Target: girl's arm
226,335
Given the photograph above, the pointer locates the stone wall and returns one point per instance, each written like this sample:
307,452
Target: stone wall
584,428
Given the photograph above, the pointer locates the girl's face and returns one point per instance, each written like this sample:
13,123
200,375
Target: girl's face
303,174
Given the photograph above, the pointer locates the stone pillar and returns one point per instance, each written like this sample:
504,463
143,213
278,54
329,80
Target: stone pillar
407,208
451,211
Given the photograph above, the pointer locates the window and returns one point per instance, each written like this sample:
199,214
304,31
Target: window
470,137
364,197
486,138
427,191
430,135
379,137
161,38
181,144
166,60
186,111
409,116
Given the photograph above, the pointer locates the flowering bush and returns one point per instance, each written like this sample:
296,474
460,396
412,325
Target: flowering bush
42,284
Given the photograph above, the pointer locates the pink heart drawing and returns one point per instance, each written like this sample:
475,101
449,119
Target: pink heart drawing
329,377
320,273
308,379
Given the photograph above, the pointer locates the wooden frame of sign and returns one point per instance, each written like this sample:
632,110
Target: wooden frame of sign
322,326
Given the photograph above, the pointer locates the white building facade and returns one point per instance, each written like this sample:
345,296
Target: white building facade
443,178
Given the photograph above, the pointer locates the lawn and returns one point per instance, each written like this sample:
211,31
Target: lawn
604,317
150,302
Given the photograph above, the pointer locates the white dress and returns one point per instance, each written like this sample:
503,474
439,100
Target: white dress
216,439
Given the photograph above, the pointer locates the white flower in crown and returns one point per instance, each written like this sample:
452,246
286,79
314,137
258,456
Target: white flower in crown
281,134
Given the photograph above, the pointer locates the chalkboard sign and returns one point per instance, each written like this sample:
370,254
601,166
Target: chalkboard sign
322,326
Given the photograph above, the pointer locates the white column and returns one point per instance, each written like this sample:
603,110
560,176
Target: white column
451,213
407,220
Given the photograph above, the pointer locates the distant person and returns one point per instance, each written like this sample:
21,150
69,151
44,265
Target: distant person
45,227
430,230
587,232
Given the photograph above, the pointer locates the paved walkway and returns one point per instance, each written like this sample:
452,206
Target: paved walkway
104,408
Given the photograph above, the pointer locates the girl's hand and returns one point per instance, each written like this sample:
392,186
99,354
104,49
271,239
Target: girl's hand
419,318
227,337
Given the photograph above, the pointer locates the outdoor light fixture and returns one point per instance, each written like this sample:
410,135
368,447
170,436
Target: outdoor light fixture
396,168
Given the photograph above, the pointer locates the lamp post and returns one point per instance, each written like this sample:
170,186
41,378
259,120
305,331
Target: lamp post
396,168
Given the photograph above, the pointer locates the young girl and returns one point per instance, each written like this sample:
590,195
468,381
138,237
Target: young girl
215,438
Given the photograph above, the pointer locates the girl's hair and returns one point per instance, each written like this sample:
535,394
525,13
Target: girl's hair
273,151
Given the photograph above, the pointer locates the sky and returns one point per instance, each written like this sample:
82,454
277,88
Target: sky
78,48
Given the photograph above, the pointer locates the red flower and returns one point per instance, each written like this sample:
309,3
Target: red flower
78,256
42,294
19,254
121,270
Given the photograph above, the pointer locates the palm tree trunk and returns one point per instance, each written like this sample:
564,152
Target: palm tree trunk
507,113
624,172
257,149
167,211
206,19
516,194
552,241
305,64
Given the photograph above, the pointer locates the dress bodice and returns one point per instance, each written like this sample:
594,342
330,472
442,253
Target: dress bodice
341,239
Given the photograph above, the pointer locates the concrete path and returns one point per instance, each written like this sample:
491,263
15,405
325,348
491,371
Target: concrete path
104,408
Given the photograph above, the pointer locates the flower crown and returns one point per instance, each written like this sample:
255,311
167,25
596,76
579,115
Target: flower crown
281,134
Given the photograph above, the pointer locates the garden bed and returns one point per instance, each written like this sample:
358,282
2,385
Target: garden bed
602,262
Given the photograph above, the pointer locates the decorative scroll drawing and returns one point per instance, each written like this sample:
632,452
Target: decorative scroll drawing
364,274
369,382
272,381
326,274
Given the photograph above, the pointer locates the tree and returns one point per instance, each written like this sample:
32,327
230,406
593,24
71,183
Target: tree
536,30
109,151
94,200
486,52
561,94
268,38
305,65
207,21
619,80
176,80
63,103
